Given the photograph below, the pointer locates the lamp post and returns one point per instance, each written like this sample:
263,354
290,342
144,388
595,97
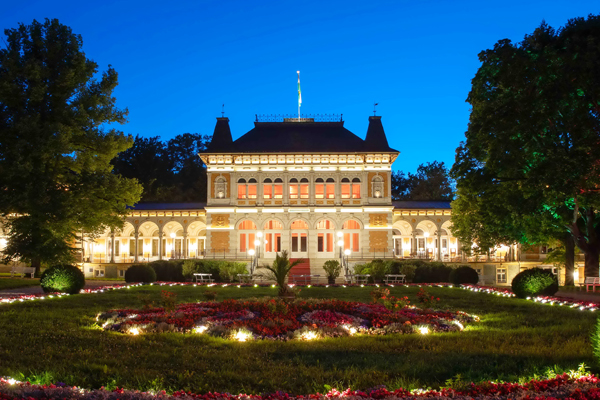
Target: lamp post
340,244
347,253
251,252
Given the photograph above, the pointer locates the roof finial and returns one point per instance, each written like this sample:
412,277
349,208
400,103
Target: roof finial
375,108
223,111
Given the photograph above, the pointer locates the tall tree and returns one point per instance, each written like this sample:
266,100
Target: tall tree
432,182
529,166
55,149
170,171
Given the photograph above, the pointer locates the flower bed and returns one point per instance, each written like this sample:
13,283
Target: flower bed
276,319
561,387
549,300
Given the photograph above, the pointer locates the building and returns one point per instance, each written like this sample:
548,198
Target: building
308,186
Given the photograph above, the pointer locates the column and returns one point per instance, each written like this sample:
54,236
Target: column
185,245
414,243
135,252
439,245
112,247
160,243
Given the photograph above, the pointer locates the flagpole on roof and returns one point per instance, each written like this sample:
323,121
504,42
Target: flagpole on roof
299,96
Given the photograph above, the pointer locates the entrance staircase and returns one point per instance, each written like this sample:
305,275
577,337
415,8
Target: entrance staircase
301,269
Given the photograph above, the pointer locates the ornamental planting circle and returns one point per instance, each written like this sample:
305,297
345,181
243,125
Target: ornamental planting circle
275,319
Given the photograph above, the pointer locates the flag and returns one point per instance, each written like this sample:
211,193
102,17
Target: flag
299,92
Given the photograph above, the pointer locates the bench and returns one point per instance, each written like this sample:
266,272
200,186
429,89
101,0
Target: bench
593,282
22,271
394,278
203,278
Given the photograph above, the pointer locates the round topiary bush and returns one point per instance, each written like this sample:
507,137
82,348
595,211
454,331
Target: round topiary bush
535,282
62,278
140,273
464,274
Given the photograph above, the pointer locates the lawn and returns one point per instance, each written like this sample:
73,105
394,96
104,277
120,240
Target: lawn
58,340
15,283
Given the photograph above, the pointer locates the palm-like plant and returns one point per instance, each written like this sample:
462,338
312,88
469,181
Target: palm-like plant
280,269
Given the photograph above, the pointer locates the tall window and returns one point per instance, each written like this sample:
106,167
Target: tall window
294,188
247,235
278,188
246,190
304,188
268,188
299,238
319,188
330,188
500,275
273,231
241,189
351,231
350,190
325,239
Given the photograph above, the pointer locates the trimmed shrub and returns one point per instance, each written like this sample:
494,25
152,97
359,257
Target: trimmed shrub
221,270
332,269
464,274
378,270
534,282
63,278
228,271
168,271
140,273
405,267
432,273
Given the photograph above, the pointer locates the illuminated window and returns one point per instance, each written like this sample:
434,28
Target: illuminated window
304,188
268,189
325,239
241,189
351,231
500,275
346,188
319,188
278,189
356,188
294,188
330,188
299,239
273,236
252,188
246,237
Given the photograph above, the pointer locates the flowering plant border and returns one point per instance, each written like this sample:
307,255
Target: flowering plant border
565,386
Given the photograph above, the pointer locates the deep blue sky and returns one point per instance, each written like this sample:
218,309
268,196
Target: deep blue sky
178,61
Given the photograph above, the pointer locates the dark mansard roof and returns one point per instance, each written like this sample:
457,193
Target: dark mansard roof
299,137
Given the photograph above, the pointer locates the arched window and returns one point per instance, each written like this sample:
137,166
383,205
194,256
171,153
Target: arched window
299,238
350,190
356,188
304,188
246,190
351,230
273,232
268,188
330,188
220,188
247,235
319,188
273,190
377,186
325,239
294,190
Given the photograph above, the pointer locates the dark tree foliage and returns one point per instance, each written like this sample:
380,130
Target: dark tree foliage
170,171
431,183
55,150
528,170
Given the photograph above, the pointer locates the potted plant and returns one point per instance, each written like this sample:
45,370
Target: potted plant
332,270
279,271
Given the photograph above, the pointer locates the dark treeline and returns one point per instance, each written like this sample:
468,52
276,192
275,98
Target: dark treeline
170,171
431,183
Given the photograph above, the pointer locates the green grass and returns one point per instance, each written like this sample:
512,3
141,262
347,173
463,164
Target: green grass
58,340
15,283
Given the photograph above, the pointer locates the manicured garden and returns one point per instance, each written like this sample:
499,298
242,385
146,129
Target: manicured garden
15,283
59,340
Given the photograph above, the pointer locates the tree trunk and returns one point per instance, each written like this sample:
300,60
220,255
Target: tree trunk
591,261
569,260
36,263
